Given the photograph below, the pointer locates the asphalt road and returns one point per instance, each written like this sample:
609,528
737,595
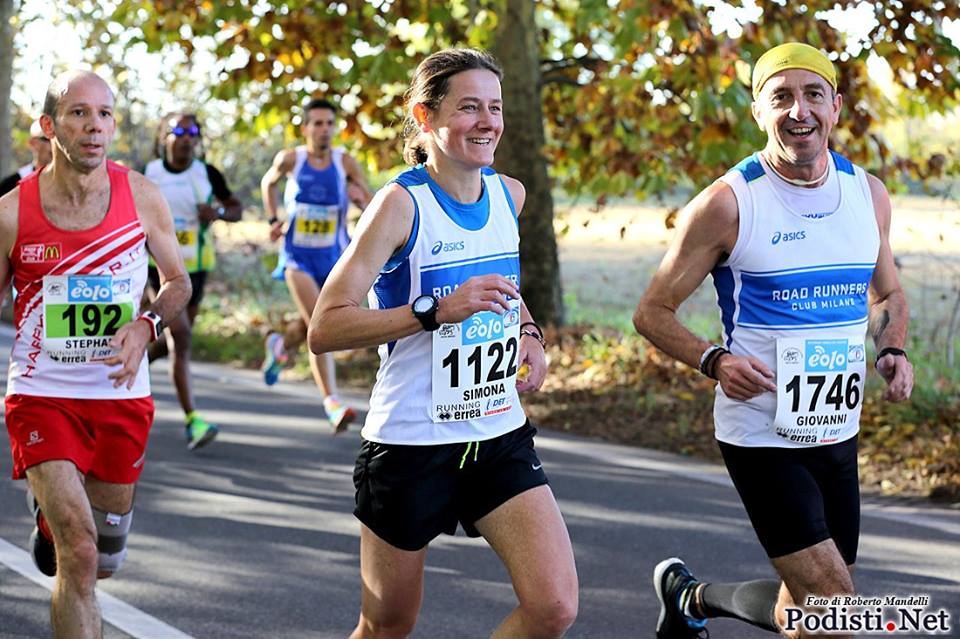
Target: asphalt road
254,537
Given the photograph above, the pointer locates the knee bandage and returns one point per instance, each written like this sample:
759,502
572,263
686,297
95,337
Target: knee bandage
112,530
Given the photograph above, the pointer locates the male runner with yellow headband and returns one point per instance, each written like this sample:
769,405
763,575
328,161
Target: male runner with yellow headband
796,239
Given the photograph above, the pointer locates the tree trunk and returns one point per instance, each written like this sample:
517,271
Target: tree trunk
8,8
519,155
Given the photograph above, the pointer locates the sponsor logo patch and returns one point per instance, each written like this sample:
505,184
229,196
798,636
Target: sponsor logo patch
790,236
825,355
484,326
446,247
90,288
35,253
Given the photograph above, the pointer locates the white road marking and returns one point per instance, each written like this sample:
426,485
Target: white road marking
123,616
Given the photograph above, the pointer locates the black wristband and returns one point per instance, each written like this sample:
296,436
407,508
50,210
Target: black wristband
890,350
709,365
273,220
534,325
536,336
716,362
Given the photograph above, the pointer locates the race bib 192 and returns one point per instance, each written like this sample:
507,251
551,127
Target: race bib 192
819,389
474,367
81,313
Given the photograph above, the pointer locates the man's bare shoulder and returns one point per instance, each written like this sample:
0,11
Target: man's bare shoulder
711,220
877,188
715,205
286,159
882,207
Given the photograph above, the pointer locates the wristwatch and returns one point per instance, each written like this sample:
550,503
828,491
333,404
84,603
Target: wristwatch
425,309
156,323
221,212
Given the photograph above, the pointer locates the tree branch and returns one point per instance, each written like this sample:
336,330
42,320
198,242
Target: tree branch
548,67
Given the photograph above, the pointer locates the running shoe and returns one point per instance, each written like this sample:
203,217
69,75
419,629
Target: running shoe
339,414
275,358
199,432
42,550
674,584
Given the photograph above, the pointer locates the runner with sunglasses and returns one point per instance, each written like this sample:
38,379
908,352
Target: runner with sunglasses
198,196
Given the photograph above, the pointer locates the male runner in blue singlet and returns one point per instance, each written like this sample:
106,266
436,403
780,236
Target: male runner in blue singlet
321,182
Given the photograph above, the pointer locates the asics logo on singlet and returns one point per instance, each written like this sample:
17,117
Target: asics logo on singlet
90,288
826,355
787,237
484,326
446,247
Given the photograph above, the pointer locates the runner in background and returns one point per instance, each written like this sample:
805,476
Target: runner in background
198,197
321,181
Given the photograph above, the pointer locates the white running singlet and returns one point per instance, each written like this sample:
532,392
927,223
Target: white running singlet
456,384
793,294
183,191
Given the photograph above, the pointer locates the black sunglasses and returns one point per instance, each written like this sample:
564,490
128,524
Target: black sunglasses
192,131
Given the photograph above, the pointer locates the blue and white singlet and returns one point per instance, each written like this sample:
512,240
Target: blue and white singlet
457,383
793,294
316,204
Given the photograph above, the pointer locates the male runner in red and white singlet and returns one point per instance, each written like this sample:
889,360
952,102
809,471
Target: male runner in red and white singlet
74,240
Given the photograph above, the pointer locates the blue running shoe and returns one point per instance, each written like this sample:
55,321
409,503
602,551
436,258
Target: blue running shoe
275,358
674,584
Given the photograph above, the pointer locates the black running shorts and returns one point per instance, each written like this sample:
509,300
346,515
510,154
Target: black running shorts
198,280
798,497
408,495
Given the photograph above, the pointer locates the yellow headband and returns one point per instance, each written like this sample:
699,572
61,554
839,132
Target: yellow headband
792,55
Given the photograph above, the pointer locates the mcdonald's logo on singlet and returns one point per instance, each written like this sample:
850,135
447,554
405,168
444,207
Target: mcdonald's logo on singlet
33,253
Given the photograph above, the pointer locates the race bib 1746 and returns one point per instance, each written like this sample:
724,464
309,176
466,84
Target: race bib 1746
819,389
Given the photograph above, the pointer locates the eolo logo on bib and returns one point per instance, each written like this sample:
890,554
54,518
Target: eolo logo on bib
484,326
825,355
89,288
